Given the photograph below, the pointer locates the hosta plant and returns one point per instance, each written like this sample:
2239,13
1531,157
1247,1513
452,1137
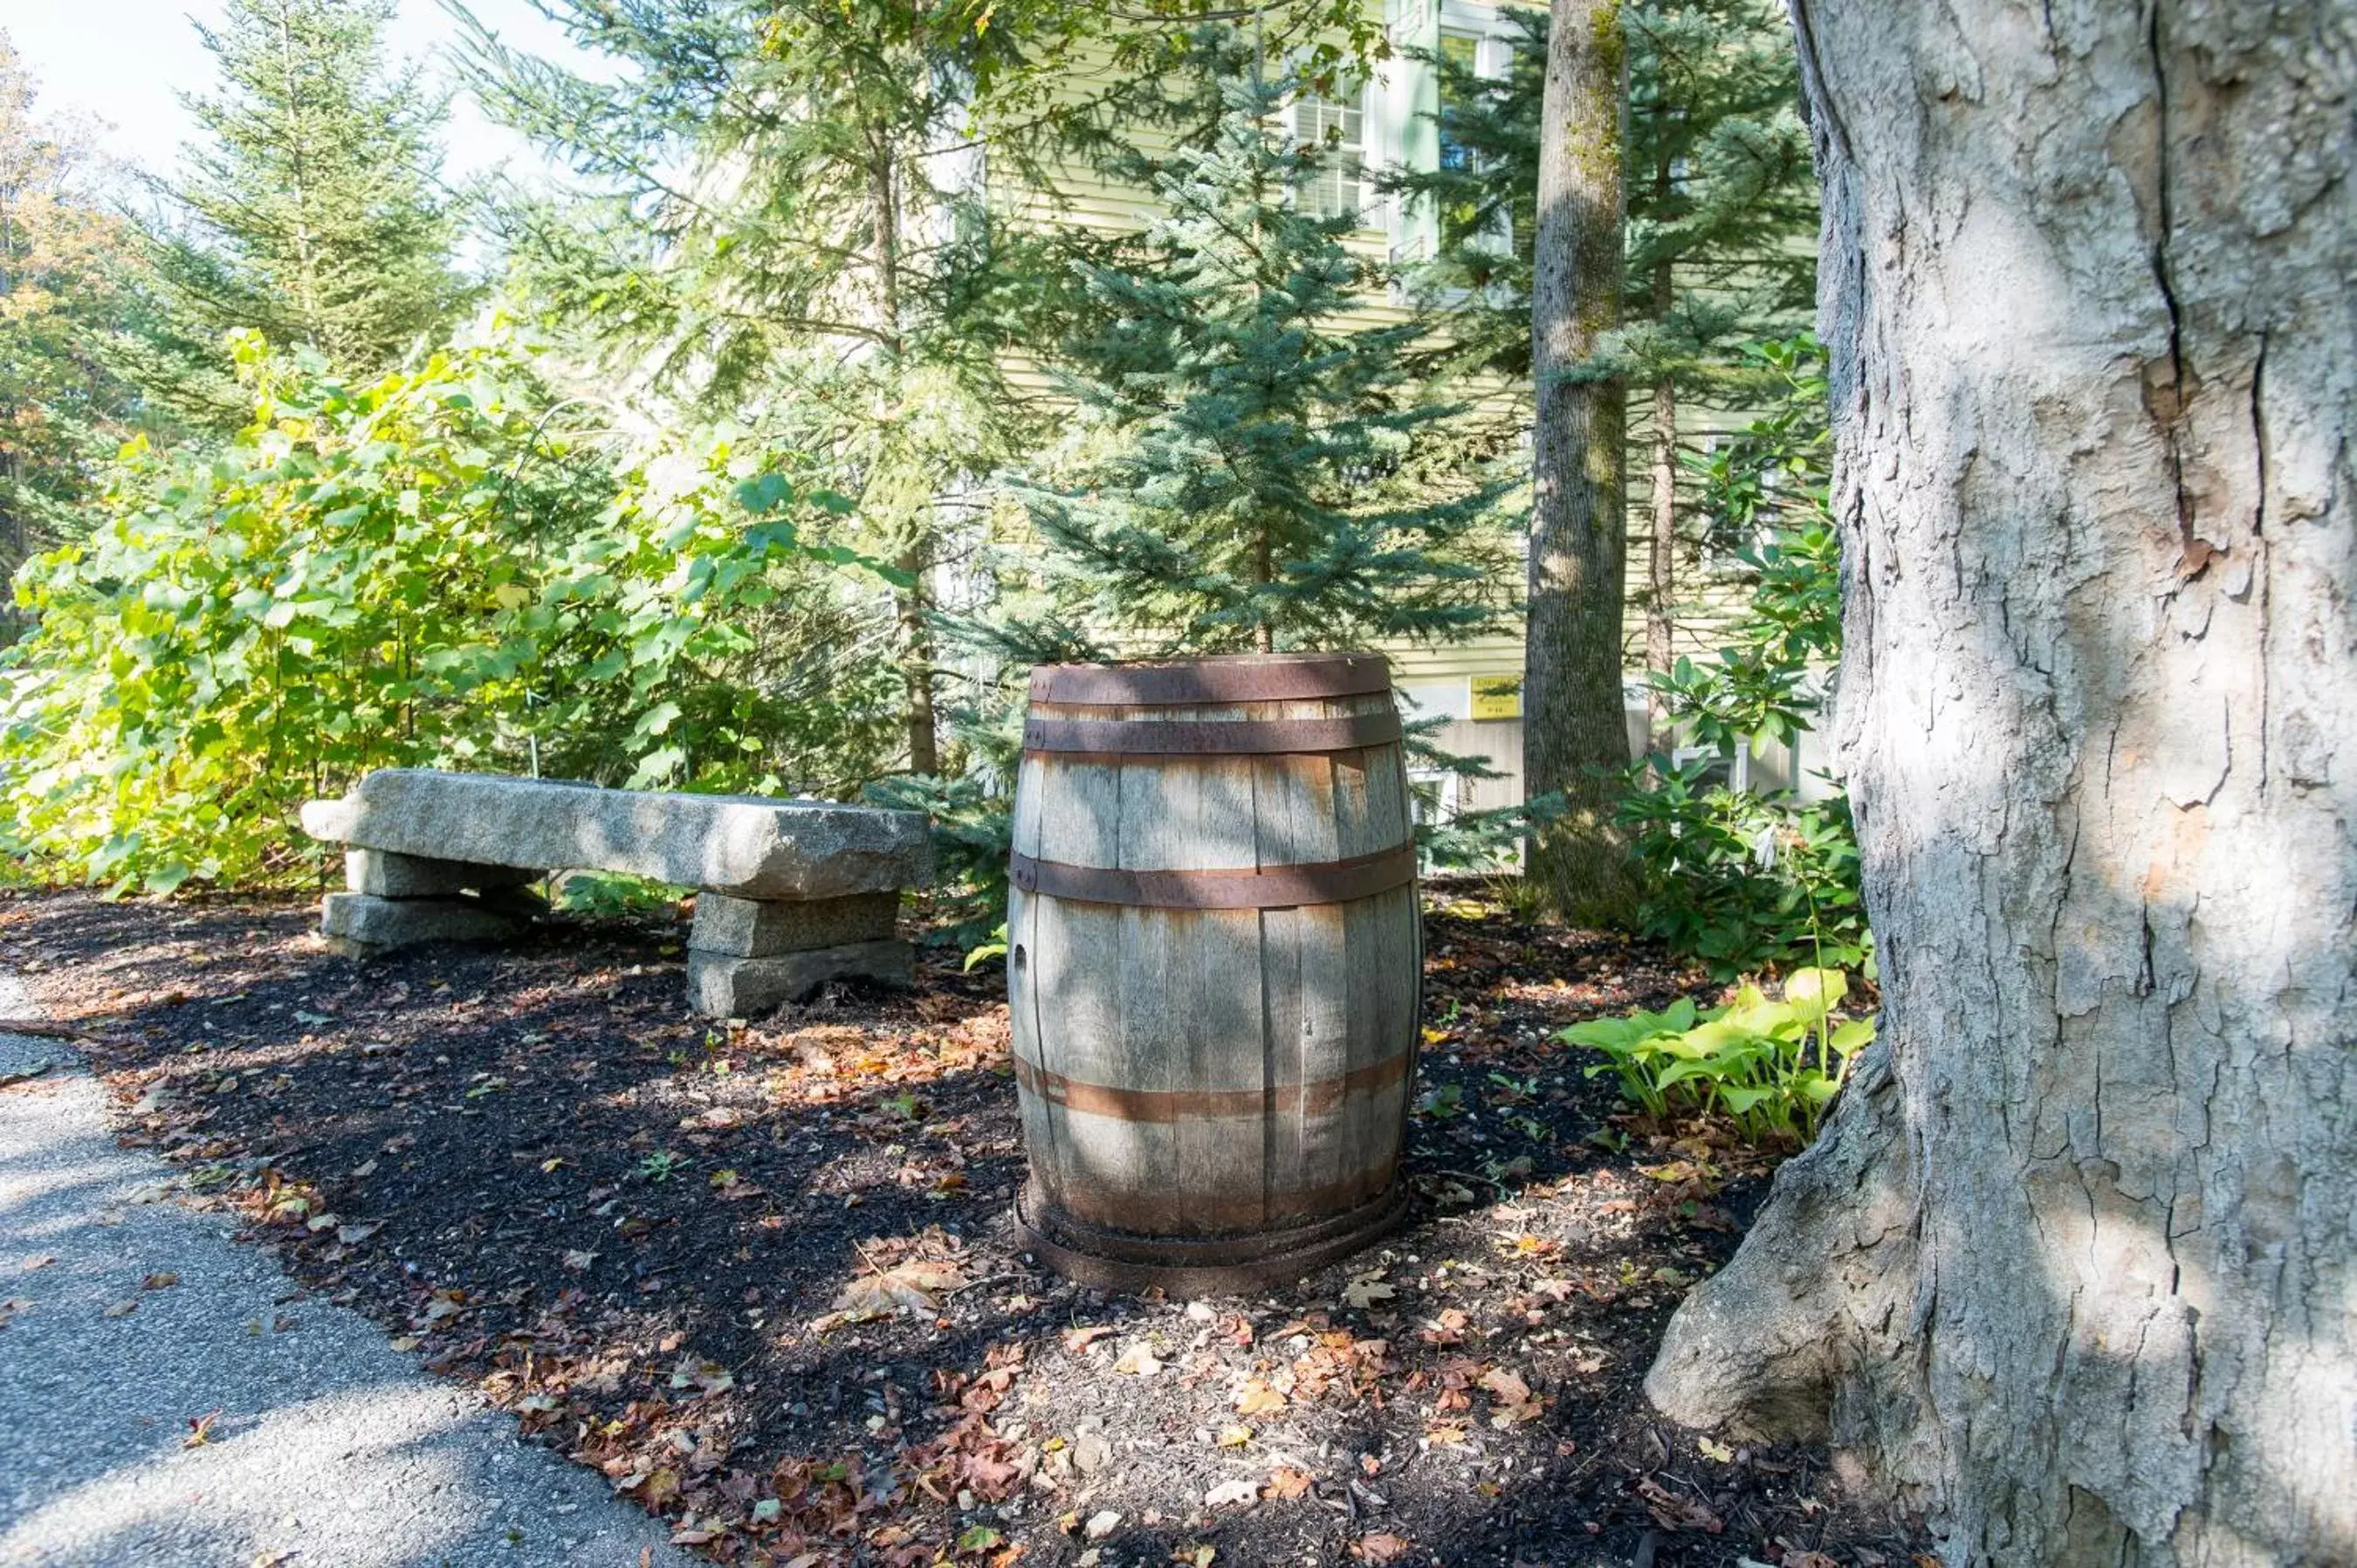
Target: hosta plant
1772,1067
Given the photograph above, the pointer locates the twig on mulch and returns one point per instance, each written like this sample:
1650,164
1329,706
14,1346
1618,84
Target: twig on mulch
42,1029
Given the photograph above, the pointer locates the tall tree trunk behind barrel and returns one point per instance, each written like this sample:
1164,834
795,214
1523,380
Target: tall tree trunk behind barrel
1573,725
2072,1265
1662,538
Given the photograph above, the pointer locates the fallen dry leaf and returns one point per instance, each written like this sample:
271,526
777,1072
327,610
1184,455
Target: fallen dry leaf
121,1309
1138,1361
163,1279
1287,1482
1515,1402
1082,1339
1256,1398
919,1283
703,1376
1674,1512
1382,1546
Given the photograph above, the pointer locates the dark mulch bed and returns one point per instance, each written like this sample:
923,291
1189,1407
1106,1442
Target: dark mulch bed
762,1277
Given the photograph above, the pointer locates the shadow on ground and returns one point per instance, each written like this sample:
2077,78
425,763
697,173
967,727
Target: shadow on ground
641,1234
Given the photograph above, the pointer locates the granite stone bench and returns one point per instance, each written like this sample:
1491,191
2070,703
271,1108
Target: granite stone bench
790,894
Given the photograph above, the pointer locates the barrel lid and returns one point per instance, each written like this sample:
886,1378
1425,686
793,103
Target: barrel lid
1221,677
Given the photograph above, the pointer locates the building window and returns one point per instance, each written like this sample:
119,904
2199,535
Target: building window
1338,128
1459,52
1473,65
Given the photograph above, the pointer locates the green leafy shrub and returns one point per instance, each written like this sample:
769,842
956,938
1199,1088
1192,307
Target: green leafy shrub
426,570
1744,881
1761,688
1771,1067
610,893
970,807
994,946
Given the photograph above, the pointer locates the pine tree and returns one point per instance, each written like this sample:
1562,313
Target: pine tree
309,210
793,227
1244,468
1484,194
66,287
785,227
1244,471
1721,202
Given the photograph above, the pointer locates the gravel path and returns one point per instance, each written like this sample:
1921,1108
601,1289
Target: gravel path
329,1450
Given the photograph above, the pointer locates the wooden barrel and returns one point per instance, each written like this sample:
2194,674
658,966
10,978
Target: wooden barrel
1213,962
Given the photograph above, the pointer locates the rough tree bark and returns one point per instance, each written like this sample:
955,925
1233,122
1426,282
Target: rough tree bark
1573,725
1662,505
919,715
2071,1266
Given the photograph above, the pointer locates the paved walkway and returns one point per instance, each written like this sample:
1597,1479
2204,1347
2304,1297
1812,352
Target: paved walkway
330,1448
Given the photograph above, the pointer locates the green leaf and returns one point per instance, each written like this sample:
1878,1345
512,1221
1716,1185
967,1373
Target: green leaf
1815,991
1853,1036
765,492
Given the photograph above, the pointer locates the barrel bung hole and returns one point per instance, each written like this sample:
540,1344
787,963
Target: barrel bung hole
1017,958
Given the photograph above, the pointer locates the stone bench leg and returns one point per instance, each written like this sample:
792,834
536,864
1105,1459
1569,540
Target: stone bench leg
747,956
380,874
399,900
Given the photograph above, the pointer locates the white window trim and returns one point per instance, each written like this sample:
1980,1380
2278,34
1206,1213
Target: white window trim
1493,29
1371,153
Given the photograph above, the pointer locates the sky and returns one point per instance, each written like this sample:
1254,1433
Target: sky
124,63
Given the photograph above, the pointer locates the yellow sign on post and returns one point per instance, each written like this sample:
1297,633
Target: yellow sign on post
1497,696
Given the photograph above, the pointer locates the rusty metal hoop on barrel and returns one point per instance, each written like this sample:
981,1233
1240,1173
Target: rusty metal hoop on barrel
1213,968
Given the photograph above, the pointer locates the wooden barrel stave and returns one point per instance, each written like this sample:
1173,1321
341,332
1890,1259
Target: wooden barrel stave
1276,1097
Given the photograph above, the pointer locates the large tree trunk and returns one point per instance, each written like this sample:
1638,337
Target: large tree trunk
2071,1265
1572,727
